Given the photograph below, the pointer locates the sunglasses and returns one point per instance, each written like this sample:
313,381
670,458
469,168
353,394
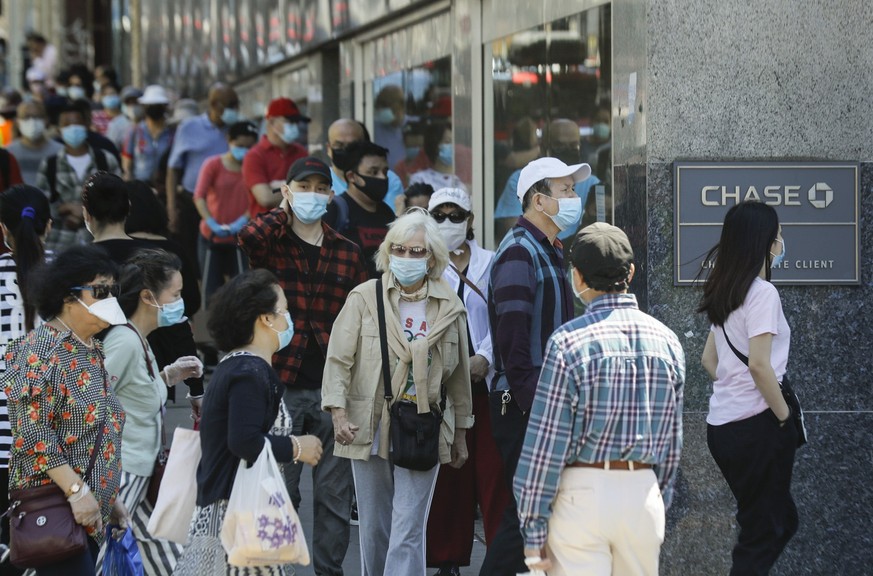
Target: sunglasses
414,251
454,217
99,291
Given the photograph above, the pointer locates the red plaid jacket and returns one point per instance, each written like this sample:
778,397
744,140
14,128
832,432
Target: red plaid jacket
314,297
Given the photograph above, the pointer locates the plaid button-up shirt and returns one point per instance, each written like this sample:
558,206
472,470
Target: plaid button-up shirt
610,389
315,297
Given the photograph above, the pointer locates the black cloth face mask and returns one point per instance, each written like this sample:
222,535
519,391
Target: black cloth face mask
374,188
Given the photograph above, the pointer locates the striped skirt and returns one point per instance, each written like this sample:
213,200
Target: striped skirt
159,557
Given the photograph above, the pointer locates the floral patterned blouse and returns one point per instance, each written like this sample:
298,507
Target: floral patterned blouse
58,393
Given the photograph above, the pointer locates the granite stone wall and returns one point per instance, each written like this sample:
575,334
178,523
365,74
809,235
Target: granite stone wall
773,80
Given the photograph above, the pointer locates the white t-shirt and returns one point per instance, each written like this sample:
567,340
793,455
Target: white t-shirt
734,394
413,320
80,163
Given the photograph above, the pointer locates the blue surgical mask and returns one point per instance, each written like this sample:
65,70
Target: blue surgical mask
111,101
407,271
230,116
76,92
309,207
446,154
601,130
290,132
778,258
569,212
287,334
170,314
238,152
74,135
384,116
412,152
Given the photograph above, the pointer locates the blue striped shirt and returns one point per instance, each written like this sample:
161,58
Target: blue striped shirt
610,389
529,297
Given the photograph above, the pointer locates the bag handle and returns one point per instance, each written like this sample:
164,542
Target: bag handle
467,281
743,358
383,341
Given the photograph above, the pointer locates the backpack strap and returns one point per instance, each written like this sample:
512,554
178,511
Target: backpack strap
100,160
51,174
342,212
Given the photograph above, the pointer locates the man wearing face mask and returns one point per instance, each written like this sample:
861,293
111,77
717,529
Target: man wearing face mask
561,141
32,146
339,135
62,176
268,162
196,140
150,139
316,268
131,113
365,217
389,118
529,297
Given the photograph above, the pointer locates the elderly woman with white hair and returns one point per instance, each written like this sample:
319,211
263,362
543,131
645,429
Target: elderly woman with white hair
424,336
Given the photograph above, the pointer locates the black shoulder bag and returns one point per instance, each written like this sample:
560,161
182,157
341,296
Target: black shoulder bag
415,438
788,394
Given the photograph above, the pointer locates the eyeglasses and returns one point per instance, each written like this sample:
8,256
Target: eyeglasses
414,251
99,291
454,217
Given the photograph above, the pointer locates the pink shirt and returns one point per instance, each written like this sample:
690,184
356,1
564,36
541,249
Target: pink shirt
734,394
226,195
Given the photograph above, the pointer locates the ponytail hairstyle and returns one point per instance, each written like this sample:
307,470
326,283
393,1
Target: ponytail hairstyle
24,210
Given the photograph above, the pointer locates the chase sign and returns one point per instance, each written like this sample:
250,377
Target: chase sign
817,203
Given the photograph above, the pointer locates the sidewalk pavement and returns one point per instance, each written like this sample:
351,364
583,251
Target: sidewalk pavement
179,415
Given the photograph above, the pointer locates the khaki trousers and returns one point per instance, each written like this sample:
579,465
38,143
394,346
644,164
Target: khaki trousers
606,522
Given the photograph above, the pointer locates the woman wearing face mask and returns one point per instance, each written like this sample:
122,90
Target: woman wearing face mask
222,199
33,146
61,404
748,429
426,338
439,149
151,297
450,525
249,317
150,138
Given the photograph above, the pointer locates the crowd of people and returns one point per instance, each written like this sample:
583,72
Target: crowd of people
345,309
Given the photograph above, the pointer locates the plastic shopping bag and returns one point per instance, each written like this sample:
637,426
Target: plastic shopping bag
261,527
122,555
177,497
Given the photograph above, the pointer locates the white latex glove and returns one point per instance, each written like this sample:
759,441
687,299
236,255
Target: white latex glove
182,369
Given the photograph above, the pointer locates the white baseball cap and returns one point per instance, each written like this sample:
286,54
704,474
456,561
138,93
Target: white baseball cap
455,196
154,94
548,168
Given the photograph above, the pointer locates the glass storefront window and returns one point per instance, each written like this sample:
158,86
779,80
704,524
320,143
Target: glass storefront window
551,97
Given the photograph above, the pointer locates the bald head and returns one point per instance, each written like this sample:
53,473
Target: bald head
343,132
220,97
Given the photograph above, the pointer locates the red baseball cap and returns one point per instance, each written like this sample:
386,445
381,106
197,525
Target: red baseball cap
286,108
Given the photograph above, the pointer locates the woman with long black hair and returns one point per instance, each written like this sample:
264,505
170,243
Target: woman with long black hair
749,433
25,219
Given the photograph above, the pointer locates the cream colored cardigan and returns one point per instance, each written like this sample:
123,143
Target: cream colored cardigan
353,369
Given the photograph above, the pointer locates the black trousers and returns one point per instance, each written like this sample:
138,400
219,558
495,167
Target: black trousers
505,554
756,457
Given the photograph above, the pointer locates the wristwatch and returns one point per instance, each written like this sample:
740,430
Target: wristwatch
74,489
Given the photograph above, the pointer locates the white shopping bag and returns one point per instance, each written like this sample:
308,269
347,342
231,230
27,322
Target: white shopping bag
171,517
261,527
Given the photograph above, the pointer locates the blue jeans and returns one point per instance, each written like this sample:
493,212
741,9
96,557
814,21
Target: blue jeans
331,483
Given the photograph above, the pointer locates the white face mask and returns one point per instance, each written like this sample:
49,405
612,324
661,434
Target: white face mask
107,310
453,234
32,128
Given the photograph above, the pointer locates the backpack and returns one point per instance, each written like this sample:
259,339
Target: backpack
51,171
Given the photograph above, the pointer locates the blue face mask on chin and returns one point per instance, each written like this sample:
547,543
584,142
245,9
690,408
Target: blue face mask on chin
446,154
230,116
778,258
238,152
285,335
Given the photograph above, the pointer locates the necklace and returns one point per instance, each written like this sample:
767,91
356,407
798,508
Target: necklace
76,336
416,296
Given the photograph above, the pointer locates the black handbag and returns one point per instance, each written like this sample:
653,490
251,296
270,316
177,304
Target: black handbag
796,416
415,438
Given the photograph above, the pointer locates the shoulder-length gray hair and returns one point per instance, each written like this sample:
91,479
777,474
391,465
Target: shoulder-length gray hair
404,228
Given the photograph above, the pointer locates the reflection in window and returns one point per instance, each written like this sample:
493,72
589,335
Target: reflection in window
412,113
551,88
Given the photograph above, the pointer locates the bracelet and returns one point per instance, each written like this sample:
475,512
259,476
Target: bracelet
189,397
85,489
296,443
